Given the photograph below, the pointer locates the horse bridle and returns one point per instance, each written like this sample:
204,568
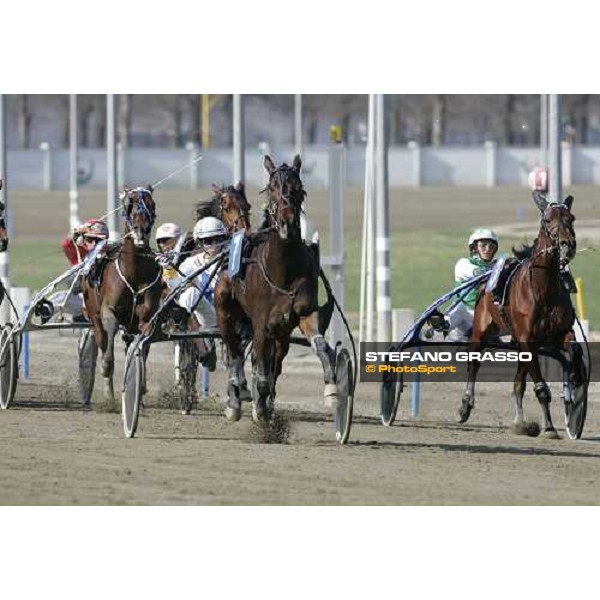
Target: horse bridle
276,206
140,208
553,236
244,214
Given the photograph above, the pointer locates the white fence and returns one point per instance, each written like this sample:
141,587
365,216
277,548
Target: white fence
412,165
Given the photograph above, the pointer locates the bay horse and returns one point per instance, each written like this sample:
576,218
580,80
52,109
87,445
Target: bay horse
3,238
3,228
538,310
129,288
277,292
228,204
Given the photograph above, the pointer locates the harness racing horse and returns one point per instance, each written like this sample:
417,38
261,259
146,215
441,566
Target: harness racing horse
3,228
538,311
278,292
129,288
3,238
228,204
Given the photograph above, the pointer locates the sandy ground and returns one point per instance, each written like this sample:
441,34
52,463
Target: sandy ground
54,453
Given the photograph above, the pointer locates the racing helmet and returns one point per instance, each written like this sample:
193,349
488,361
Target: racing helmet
209,227
95,229
482,234
168,231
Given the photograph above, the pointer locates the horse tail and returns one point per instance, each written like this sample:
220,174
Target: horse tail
325,311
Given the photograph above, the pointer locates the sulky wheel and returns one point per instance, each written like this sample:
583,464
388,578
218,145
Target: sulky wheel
389,397
576,408
344,376
132,388
88,355
9,368
188,372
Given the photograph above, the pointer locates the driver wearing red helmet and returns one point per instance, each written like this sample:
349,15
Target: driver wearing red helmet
83,240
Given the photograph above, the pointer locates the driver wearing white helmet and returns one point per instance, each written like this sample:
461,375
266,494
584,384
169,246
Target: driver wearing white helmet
169,239
210,235
483,245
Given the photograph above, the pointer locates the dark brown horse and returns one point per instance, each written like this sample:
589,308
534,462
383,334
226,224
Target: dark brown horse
3,228
129,289
538,310
278,292
3,239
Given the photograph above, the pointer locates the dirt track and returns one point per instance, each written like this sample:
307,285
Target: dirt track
53,453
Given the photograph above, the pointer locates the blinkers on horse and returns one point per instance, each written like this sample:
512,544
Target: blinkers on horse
139,212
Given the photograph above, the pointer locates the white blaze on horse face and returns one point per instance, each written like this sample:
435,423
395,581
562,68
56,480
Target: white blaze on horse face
137,238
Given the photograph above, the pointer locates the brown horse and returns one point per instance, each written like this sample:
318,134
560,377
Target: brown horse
129,288
228,204
3,239
277,292
538,310
3,228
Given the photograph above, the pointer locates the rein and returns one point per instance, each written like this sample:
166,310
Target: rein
291,294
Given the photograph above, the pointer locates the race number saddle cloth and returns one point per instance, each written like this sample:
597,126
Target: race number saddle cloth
499,280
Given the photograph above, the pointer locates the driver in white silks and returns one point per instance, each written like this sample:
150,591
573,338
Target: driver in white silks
483,245
210,235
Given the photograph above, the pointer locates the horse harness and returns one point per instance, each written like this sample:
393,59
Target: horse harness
255,241
140,207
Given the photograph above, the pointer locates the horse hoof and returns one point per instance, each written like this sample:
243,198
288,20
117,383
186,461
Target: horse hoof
464,413
186,411
233,414
260,416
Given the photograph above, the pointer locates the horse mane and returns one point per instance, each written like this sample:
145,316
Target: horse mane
209,208
204,208
523,251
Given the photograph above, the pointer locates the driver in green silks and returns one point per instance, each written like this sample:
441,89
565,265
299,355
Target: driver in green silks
483,245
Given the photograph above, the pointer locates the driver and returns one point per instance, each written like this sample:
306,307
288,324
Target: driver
483,245
210,235
84,244
83,240
170,239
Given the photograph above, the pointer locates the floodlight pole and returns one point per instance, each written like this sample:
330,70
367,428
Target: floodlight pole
544,129
239,171
73,192
298,147
382,237
112,192
555,148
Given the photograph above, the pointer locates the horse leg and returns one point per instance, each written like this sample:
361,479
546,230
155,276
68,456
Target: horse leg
519,386
542,392
468,399
110,326
244,329
309,326
282,347
265,370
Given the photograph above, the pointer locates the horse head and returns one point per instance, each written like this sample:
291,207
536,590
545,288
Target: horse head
3,230
228,204
286,195
557,226
139,211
